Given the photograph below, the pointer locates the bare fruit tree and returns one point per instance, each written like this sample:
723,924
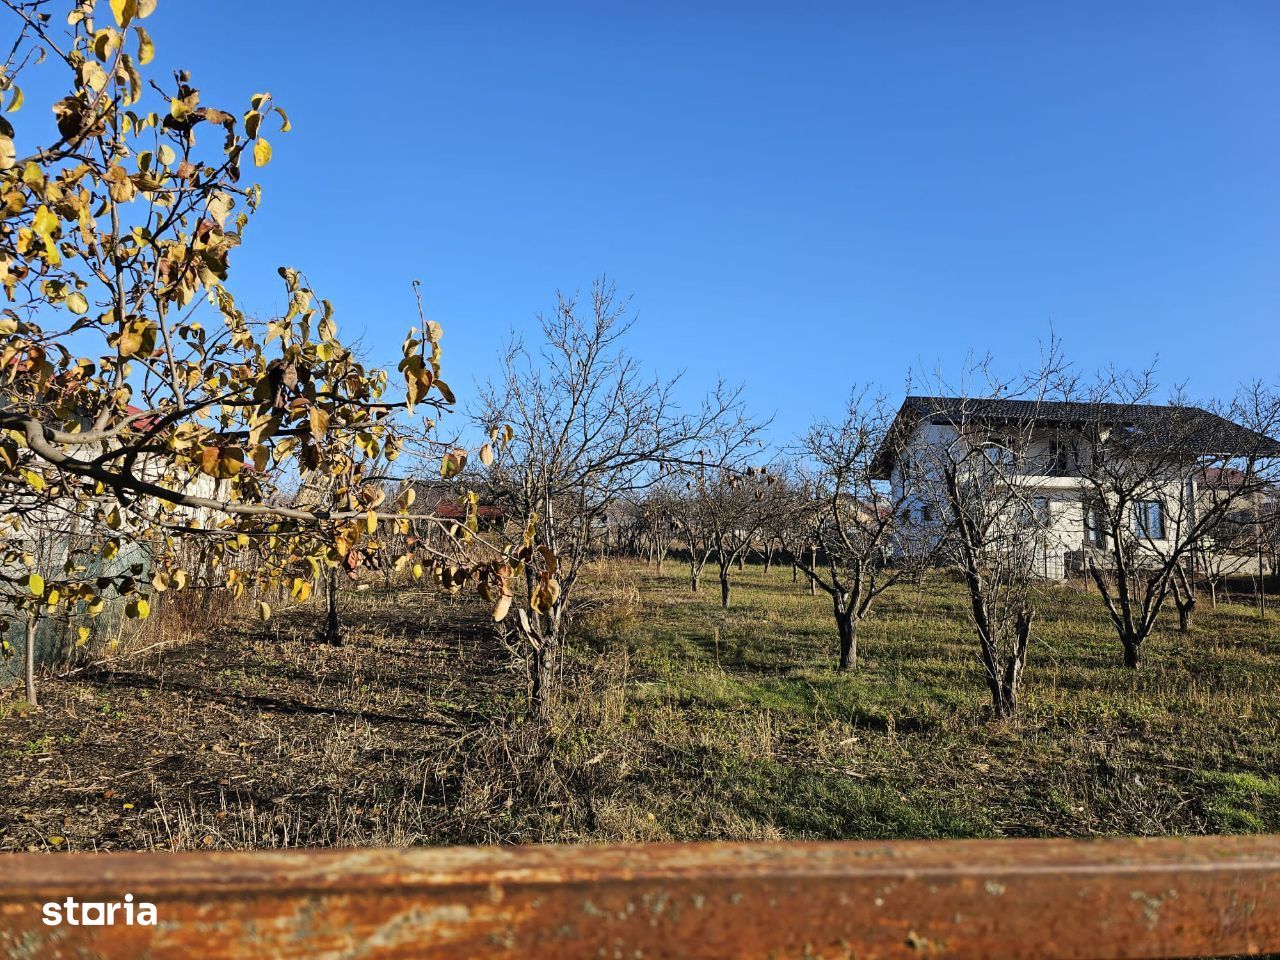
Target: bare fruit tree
737,508
981,465
723,502
695,525
585,428
804,518
656,517
855,518
1229,552
1161,481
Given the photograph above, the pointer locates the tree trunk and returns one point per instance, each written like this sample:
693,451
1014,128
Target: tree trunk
29,662
847,625
724,587
542,677
1011,681
795,572
695,581
332,628
1131,652
1184,599
1262,585
813,563
768,559
1186,609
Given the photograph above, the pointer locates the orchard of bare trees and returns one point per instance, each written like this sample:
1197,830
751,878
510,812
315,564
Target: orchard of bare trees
1028,484
155,439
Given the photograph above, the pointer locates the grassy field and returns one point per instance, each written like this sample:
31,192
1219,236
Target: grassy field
679,721
763,738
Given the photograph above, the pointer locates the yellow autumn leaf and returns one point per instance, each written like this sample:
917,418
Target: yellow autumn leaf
124,10
319,420
146,49
45,221
261,152
95,78
451,463
501,608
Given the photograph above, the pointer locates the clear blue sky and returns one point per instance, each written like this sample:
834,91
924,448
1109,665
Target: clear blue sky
798,195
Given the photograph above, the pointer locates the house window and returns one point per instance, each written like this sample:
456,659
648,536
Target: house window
998,454
1035,513
1148,519
1057,459
1095,530
1040,510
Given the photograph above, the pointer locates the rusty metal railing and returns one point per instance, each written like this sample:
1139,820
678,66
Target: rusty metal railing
1009,898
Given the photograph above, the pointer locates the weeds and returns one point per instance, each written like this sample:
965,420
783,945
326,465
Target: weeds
677,721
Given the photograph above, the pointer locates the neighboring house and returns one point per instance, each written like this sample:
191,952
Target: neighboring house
1055,440
60,530
1242,545
444,499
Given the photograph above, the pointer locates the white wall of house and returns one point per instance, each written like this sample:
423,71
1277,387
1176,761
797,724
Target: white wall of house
1051,483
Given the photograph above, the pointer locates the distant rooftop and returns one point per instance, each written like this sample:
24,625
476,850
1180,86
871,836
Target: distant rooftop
1206,431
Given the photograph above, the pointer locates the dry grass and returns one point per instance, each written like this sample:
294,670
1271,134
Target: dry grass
677,721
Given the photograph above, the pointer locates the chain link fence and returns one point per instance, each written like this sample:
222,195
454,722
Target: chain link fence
58,642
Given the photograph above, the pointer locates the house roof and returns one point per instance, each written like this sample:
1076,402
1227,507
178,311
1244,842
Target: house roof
144,422
1222,476
1206,432
442,498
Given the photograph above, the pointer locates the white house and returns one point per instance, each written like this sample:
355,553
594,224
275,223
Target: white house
1041,446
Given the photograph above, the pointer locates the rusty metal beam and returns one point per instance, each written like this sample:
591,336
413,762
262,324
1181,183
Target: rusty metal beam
1011,898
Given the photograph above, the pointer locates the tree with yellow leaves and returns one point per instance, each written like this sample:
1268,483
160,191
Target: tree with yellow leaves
135,395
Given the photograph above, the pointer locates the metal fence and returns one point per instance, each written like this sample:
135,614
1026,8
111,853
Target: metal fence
1171,897
57,637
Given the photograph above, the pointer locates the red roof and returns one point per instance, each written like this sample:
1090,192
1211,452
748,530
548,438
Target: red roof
148,421
1221,477
143,423
455,511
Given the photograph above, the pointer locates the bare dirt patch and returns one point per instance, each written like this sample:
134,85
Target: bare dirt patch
261,736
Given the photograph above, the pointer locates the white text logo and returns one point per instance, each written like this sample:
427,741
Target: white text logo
96,914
